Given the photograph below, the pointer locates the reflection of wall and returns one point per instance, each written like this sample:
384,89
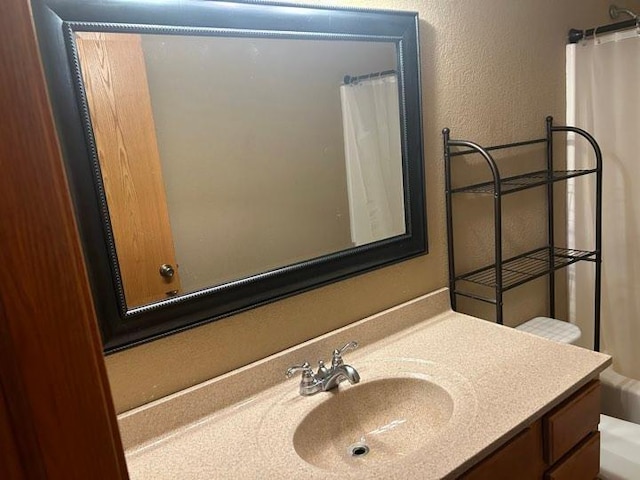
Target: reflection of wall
250,138
491,71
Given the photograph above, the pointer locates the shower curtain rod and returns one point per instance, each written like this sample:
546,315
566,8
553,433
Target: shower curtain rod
348,79
576,35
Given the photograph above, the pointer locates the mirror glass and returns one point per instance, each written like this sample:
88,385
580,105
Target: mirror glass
226,157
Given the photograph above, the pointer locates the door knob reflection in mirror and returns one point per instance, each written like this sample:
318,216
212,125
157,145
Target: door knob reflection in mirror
167,271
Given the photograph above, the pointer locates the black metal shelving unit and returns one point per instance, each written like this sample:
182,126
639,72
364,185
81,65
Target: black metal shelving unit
505,274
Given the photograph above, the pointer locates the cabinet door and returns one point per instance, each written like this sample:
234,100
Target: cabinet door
115,79
521,458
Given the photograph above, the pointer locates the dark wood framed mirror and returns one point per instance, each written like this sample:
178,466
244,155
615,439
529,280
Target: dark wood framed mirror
224,155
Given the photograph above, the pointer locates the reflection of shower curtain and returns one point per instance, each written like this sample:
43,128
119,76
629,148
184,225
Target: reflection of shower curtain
603,97
371,123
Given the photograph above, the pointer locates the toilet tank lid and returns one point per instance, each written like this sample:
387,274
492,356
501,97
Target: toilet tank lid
551,328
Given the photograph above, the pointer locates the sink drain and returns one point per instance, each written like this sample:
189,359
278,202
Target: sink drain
358,450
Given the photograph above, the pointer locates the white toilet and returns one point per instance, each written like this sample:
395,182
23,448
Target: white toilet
619,439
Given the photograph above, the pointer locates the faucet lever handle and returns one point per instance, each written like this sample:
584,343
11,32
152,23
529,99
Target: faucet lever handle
352,345
337,354
305,368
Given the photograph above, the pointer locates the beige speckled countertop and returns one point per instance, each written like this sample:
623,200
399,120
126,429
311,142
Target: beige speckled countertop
241,425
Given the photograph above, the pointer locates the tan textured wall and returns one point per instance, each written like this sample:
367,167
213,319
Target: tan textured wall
491,71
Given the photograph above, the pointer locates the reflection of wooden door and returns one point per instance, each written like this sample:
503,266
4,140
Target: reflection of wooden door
115,78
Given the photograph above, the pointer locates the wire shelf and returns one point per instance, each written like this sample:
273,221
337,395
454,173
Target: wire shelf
522,182
525,267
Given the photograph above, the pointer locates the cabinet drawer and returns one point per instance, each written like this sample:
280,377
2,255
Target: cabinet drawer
521,458
583,463
572,421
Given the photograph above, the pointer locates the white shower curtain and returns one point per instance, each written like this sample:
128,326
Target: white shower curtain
603,97
371,124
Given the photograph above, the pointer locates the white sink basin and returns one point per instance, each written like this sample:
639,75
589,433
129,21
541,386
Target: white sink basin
376,421
399,408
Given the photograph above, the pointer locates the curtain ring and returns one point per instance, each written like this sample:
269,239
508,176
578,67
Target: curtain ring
638,24
595,36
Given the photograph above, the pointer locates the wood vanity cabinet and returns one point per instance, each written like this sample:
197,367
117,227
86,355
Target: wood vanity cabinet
563,445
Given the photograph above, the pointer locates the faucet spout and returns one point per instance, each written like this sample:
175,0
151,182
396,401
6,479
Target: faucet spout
338,374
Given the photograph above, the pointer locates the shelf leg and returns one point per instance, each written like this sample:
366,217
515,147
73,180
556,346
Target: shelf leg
497,211
449,207
550,220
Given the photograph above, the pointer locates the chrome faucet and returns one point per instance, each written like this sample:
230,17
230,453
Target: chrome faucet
325,378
